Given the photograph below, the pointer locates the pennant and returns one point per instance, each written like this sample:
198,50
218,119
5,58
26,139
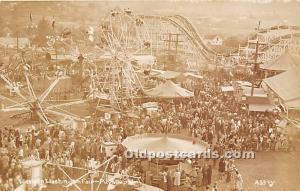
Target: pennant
27,67
53,23
91,38
91,32
66,32
30,16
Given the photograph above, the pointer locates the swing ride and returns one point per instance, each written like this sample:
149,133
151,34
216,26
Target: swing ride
36,105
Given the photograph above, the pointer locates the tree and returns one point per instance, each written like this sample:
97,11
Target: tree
43,29
232,41
235,41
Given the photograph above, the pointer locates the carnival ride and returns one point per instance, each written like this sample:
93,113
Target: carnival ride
273,41
163,143
125,38
125,35
37,106
186,42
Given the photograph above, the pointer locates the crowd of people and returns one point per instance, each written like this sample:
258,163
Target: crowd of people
211,116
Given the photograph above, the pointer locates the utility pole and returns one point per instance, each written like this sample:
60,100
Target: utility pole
256,64
17,42
121,82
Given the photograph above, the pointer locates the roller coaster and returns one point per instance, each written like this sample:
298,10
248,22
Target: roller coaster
177,36
191,46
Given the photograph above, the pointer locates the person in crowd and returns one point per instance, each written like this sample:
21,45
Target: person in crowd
212,116
209,174
238,181
177,178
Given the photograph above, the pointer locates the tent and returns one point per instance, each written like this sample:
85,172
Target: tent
168,75
191,75
144,59
169,90
287,86
227,88
258,92
284,62
258,102
163,143
244,83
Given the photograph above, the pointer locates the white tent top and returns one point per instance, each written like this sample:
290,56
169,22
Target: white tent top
162,143
144,59
286,85
227,88
168,74
169,90
244,83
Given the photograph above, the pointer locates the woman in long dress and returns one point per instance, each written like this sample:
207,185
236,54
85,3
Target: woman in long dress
177,179
239,182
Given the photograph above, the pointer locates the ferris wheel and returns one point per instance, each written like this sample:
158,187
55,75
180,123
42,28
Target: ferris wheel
124,31
124,35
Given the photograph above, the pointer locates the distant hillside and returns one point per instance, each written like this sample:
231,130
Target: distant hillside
227,18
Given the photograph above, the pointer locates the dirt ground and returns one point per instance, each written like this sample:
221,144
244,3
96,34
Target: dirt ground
281,167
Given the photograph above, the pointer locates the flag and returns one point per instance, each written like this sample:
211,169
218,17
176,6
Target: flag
66,32
27,67
53,23
91,38
30,17
91,32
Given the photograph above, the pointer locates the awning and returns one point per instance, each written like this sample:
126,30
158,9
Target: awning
261,107
293,104
257,92
286,85
284,62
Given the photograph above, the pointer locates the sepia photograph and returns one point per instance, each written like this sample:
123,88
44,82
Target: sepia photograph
150,95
